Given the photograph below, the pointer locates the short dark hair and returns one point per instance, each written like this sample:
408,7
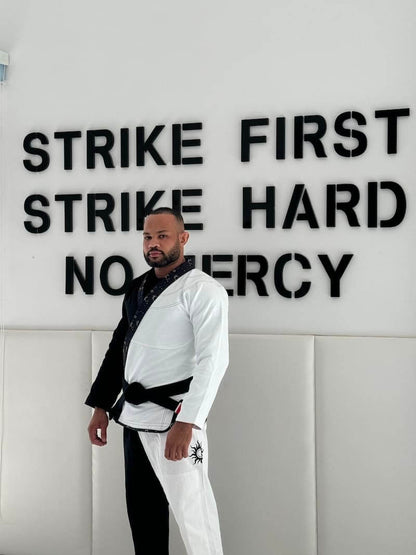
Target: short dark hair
167,210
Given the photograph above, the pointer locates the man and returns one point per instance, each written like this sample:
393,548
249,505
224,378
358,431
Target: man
168,353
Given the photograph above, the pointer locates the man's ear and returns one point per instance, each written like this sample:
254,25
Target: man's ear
183,237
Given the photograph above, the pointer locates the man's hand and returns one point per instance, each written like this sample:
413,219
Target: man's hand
99,421
178,440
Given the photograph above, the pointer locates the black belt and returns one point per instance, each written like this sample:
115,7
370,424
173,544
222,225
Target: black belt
136,394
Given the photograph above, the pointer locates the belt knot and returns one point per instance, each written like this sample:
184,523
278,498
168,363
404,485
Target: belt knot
136,394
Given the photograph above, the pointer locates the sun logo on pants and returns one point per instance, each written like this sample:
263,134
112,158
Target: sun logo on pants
197,452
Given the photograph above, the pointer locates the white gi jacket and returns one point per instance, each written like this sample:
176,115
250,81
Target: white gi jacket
184,333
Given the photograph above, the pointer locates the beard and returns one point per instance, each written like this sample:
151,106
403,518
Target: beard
165,258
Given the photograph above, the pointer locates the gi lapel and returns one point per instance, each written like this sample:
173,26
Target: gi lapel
145,302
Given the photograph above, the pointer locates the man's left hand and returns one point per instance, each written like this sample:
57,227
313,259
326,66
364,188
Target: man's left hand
178,440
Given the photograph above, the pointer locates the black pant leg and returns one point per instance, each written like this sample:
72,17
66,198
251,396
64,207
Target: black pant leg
147,506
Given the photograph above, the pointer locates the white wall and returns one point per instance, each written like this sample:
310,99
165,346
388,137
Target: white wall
87,66
311,450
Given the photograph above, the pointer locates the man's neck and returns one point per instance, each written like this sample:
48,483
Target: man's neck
165,270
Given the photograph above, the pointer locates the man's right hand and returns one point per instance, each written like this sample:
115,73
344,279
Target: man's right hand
99,421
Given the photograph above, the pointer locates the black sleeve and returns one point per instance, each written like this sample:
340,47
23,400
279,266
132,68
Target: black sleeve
109,380
108,383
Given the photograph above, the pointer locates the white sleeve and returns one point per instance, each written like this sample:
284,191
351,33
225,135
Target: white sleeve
208,311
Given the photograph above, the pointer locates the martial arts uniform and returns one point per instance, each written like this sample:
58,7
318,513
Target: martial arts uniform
169,353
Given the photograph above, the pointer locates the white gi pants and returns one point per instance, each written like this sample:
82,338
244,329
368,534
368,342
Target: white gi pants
188,491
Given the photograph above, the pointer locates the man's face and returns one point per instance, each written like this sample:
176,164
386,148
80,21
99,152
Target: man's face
163,240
